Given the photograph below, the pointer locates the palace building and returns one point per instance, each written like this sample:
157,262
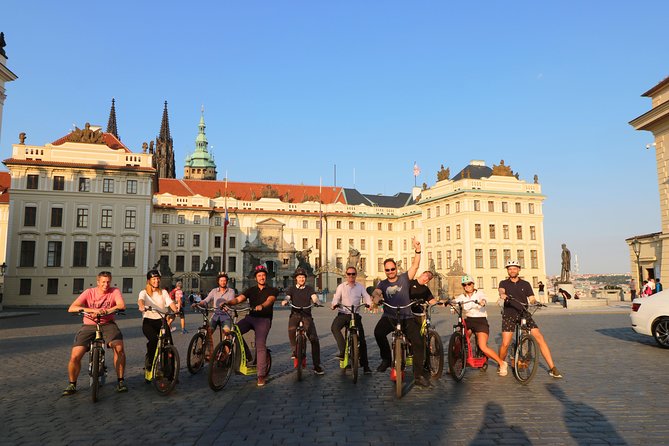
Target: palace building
86,203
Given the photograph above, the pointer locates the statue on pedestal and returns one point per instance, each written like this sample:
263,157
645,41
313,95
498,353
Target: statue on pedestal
566,264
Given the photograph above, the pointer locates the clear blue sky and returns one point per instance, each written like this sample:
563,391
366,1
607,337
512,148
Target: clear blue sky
291,88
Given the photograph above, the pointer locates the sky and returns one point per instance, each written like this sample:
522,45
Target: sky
292,88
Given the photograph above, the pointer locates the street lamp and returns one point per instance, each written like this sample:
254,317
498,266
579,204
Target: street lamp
636,247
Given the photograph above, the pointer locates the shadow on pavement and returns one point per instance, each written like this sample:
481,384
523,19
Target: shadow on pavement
626,334
493,422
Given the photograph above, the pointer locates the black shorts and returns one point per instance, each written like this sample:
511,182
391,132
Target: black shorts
478,324
110,332
509,322
180,313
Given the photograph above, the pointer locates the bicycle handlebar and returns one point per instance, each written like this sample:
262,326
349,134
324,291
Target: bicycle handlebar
352,308
95,317
399,307
161,313
313,304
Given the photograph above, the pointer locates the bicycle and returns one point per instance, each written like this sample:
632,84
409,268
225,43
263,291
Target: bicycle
434,347
97,370
352,349
301,340
399,349
164,372
460,351
231,354
201,344
523,349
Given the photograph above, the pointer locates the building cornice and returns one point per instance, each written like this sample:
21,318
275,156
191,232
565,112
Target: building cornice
6,74
651,118
42,163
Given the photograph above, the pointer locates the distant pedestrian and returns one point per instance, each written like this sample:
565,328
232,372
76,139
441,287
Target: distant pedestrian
645,289
632,289
651,285
658,286
541,292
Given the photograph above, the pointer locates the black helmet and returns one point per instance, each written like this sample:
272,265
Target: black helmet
222,274
259,269
153,273
300,272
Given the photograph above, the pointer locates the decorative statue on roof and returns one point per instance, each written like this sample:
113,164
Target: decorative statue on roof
443,174
86,135
536,179
424,186
145,147
502,170
22,138
3,44
151,147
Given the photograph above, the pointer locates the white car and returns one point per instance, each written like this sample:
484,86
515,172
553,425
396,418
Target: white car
650,317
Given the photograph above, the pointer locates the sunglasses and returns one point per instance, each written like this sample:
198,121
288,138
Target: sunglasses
390,269
469,284
351,274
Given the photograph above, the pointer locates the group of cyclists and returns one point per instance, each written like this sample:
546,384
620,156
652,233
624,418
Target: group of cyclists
397,290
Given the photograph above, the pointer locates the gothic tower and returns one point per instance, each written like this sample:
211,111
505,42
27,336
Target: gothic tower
200,165
163,154
111,124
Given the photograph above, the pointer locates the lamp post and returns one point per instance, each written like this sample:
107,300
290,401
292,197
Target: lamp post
636,247
3,268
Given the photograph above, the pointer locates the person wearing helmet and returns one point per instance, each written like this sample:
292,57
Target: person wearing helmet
261,300
216,298
474,302
303,295
515,292
156,297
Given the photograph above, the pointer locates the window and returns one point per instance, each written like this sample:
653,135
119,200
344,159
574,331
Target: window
429,235
530,208
217,263
479,279
439,260
457,207
390,226
494,283
350,225
196,240
131,187
197,220
54,253
338,224
30,216
51,286
518,208
478,256
305,224
507,255
84,184
379,264
82,218
380,245
521,257
195,263
412,225
106,219
130,218
447,208
127,284
429,213
533,233
217,241
491,206
350,242
181,219
477,230
438,235
448,233
505,206
164,239
232,264
78,286
363,264
305,243
24,287
437,211
404,244
27,257
166,218
104,254
457,232
363,244
108,185
449,259
519,232
339,262
458,256
477,205
338,244
180,262
128,258
379,226
505,231
80,254
58,183
33,182
181,240
493,258
390,245
318,224
218,221
318,243
362,225
56,217
491,230
534,259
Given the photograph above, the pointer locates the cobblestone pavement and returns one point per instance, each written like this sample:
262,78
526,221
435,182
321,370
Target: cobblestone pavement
614,392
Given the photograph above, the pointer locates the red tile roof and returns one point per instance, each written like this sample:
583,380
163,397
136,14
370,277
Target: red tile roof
5,182
293,193
110,141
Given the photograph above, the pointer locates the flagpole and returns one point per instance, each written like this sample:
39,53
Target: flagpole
224,262
320,233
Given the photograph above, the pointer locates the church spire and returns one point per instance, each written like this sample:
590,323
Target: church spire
163,156
111,124
165,126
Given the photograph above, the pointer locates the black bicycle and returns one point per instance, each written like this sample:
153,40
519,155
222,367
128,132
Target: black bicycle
352,349
399,349
434,347
301,339
202,343
164,372
524,351
97,370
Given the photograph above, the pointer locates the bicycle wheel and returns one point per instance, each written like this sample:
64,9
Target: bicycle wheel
300,350
525,359
457,356
95,372
221,365
435,354
196,353
166,369
355,356
397,360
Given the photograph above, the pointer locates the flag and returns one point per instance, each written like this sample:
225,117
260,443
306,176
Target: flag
226,221
320,211
416,169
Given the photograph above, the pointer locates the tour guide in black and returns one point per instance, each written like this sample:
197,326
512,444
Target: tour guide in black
261,300
395,291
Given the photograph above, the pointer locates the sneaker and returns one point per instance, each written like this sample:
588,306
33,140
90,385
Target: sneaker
121,387
554,373
340,356
184,331
318,370
261,381
503,369
367,370
422,381
173,329
71,389
383,366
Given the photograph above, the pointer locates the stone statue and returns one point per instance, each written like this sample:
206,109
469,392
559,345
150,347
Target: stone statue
353,258
566,264
444,174
3,44
145,147
502,170
22,138
208,266
536,179
303,261
151,147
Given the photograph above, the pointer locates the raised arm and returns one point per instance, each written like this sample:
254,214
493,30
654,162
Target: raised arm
415,263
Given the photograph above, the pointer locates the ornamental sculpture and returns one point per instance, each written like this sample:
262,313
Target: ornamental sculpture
86,135
502,170
443,174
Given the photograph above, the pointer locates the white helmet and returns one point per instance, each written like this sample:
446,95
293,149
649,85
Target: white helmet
512,263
